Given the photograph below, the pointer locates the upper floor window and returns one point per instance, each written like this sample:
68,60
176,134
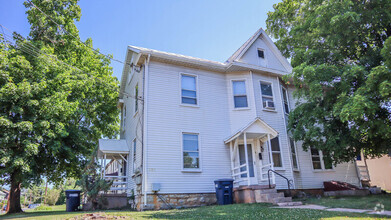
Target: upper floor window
123,117
294,155
317,160
134,154
189,89
136,98
285,100
267,96
276,152
191,151
240,96
261,53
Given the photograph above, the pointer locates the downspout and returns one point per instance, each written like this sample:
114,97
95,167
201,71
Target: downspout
146,72
286,130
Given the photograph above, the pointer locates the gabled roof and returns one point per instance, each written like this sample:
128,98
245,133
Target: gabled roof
134,55
255,126
260,33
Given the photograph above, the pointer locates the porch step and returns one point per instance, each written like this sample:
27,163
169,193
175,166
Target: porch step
281,199
282,204
266,191
267,197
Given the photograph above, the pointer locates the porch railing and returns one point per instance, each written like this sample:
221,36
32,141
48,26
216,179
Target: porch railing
119,183
287,180
237,175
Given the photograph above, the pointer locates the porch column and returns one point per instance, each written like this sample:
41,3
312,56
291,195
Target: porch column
104,167
271,157
231,159
246,156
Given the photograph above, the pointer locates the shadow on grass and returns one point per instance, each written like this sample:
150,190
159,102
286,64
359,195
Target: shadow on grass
237,211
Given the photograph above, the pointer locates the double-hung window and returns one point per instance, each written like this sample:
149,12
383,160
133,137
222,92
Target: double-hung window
123,117
240,96
317,160
135,99
276,152
267,96
189,89
285,100
191,151
134,154
294,155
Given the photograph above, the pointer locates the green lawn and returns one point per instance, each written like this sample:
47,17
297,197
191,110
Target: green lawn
365,202
237,211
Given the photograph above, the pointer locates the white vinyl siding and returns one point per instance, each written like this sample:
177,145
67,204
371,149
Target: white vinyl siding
239,93
285,101
191,151
188,89
267,95
276,152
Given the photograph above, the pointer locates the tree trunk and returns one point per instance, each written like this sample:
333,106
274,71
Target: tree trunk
14,197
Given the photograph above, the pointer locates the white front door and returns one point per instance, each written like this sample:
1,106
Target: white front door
251,164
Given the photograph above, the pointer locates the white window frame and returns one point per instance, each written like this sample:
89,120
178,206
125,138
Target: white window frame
134,151
287,100
196,170
280,152
264,54
267,96
124,117
294,147
136,103
321,163
233,95
197,90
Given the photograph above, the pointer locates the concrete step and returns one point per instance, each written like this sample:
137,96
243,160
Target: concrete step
283,204
267,197
265,191
281,199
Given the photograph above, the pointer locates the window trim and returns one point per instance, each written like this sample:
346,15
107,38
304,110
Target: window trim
283,101
134,151
296,156
282,167
195,170
180,89
267,96
261,49
136,103
321,163
124,117
233,95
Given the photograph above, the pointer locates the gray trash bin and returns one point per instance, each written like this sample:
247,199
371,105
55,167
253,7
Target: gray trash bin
73,200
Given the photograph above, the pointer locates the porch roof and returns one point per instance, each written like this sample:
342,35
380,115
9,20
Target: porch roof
112,146
257,126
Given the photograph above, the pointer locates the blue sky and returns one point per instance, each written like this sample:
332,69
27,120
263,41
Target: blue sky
209,29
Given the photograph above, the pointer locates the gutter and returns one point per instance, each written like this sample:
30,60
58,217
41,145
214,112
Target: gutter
145,109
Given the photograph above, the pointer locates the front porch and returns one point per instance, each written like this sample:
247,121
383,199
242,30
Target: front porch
113,156
250,164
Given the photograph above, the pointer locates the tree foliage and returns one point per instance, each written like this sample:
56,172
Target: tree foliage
55,103
341,54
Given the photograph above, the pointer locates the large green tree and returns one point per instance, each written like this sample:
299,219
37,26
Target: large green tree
57,98
340,51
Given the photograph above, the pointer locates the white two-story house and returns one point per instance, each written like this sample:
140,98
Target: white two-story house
187,122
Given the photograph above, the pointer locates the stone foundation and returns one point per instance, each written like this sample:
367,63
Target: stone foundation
176,200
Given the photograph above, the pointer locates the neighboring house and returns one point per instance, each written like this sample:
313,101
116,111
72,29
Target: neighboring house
185,122
375,171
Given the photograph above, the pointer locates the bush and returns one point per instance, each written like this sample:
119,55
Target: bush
52,196
43,208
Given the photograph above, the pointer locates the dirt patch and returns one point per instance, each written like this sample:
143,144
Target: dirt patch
98,215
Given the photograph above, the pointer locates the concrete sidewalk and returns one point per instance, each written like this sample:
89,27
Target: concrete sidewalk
319,207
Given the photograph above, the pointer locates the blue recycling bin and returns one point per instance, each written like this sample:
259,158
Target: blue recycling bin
224,188
73,200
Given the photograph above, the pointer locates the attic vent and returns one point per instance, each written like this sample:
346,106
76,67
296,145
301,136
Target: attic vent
261,53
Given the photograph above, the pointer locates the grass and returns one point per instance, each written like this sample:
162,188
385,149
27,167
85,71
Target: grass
237,211
354,202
